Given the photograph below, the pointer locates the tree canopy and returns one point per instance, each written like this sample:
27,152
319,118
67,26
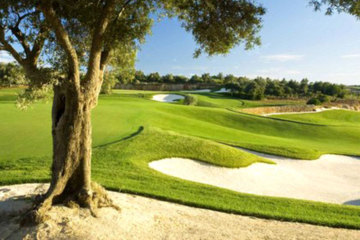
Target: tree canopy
348,6
29,29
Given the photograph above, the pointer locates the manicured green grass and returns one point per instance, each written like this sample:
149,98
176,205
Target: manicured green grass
174,130
123,166
335,117
223,100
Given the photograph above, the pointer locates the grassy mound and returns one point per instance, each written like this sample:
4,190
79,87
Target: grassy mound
334,117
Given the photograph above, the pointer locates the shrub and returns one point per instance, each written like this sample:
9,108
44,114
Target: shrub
314,101
190,100
323,98
319,99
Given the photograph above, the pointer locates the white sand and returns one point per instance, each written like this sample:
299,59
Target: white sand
167,97
198,91
223,90
316,110
332,178
144,218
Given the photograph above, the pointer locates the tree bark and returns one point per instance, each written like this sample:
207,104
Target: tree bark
71,169
71,131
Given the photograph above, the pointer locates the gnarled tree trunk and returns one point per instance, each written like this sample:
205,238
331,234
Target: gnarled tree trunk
74,99
71,131
71,167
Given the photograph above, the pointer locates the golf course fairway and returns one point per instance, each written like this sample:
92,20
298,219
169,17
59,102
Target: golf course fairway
130,130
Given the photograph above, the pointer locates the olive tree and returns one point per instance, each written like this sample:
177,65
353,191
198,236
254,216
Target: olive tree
348,6
69,43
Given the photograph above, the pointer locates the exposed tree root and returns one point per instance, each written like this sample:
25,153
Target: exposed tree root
97,198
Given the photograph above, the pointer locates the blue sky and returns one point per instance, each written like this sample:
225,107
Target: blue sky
296,43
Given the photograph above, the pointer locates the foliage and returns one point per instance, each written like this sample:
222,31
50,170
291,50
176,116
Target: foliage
348,6
259,88
314,101
214,31
108,83
11,75
252,89
319,99
190,100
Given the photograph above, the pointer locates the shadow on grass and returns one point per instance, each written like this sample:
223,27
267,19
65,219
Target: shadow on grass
141,128
353,202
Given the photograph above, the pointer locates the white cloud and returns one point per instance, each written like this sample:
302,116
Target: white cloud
283,57
350,56
5,57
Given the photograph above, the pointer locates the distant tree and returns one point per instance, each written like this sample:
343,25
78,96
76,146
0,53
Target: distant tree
11,74
220,77
180,79
168,78
294,86
195,79
139,76
234,88
274,88
254,91
153,77
304,87
206,78
230,78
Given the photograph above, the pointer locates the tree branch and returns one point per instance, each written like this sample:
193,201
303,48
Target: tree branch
63,37
38,43
122,9
6,46
92,74
19,35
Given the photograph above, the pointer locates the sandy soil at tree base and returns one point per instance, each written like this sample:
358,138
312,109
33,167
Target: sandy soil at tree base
145,218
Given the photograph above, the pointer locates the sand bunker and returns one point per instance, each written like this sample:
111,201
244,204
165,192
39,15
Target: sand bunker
223,90
316,110
144,218
167,97
332,178
198,91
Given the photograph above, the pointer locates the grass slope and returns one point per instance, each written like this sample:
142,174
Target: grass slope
25,152
123,166
335,118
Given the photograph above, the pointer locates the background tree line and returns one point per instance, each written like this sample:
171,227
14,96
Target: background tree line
254,89
243,87
259,88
